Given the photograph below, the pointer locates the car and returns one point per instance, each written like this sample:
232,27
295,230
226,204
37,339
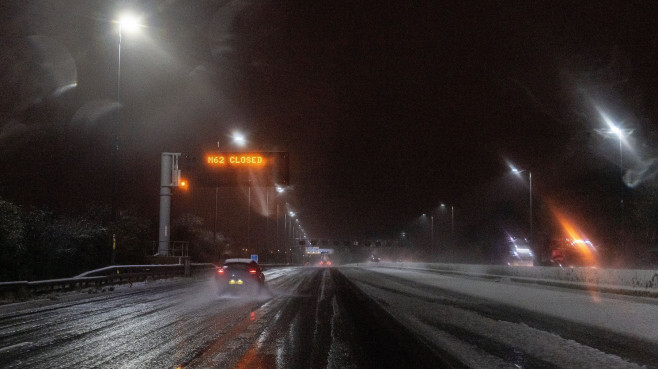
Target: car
574,253
239,276
324,260
520,253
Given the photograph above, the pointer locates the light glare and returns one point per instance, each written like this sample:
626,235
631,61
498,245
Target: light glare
129,22
239,139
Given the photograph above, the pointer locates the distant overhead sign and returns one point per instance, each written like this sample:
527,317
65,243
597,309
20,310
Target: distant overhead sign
235,160
238,168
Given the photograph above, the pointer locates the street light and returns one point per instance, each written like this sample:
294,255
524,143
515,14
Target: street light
431,230
621,134
239,139
289,231
518,172
214,237
129,23
452,221
280,190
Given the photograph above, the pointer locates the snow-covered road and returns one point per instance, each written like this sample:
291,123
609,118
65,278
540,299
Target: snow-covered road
489,324
345,317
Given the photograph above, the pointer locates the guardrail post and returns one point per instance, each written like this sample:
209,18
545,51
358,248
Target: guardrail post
186,261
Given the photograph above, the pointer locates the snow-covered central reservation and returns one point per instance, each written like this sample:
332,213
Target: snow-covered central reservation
445,320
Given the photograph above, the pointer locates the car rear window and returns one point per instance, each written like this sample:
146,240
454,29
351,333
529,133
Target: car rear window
237,266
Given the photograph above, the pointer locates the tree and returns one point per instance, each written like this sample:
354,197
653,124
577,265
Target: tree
132,234
190,228
12,246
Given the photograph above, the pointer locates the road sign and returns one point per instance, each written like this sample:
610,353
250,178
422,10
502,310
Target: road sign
217,168
254,258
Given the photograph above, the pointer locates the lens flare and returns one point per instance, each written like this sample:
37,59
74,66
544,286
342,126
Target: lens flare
583,252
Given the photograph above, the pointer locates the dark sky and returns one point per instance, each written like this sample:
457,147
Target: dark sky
387,108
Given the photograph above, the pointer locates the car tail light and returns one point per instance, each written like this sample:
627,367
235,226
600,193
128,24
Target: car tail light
328,262
253,271
220,271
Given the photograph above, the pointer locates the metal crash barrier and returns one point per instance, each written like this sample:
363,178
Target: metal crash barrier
111,275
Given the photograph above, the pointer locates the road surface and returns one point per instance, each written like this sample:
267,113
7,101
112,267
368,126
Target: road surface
346,317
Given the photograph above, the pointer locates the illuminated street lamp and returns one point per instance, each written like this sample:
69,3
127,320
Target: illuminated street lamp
280,190
621,134
239,139
518,172
128,23
287,214
431,229
452,220
235,141
296,233
289,231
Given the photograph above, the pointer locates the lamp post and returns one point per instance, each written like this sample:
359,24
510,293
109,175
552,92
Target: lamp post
289,231
267,219
621,134
276,235
452,221
126,22
431,229
129,23
279,191
239,140
519,171
249,218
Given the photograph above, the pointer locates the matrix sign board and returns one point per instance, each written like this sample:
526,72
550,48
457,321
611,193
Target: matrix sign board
238,168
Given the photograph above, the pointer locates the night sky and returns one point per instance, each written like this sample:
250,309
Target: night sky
386,108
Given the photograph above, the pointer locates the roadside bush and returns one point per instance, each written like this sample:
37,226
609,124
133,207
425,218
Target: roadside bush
12,246
36,244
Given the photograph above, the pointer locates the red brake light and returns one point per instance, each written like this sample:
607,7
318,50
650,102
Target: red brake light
220,271
252,271
328,262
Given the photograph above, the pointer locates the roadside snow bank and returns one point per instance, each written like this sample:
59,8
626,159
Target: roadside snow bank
626,281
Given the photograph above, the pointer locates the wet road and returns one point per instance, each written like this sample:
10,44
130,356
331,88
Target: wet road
300,322
308,318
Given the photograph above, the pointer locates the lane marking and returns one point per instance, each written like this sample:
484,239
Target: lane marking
16,346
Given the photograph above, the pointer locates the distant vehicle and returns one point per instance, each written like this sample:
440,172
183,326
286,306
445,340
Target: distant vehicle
324,259
321,259
521,256
520,253
239,276
573,253
513,251
375,259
